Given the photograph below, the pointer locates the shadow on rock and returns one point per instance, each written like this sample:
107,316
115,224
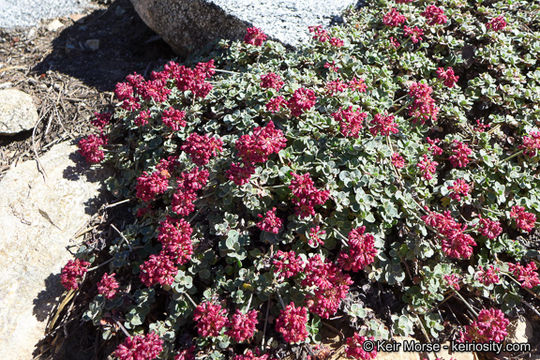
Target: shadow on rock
103,47
47,299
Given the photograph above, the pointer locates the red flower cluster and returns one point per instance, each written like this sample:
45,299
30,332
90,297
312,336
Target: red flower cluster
186,354
434,148
394,18
270,222
428,167
158,269
489,228
496,24
480,126
186,192
336,42
458,189
263,142
319,33
383,124
301,101
356,350
292,322
460,156
361,251
531,143
271,80
447,76
255,36
149,186
434,15
242,326
423,107
527,275
398,161
108,286
490,326
287,264
201,148
357,85
210,318
142,118
330,286
91,148
489,275
175,237
333,87
305,195
275,104
455,242
314,238
173,118
414,33
524,220
350,121
101,119
194,80
240,173
332,66
140,347
72,272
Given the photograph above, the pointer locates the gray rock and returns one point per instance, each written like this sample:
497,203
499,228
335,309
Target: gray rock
17,112
188,25
38,219
18,13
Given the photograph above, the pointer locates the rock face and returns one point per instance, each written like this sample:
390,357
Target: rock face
17,112
38,218
189,25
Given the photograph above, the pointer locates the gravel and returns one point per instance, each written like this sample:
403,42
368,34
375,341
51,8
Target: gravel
286,20
22,13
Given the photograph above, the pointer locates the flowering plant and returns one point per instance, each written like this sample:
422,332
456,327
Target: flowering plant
394,157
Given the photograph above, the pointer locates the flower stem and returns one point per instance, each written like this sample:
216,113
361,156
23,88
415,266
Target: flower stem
466,303
512,156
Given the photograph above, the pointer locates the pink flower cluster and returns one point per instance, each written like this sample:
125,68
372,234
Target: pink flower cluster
275,104
301,101
460,156
150,185
394,18
158,269
434,15
139,347
414,33
489,275
357,84
242,325
458,189
101,119
527,275
175,237
291,323
330,286
427,167
398,161
383,124
173,118
314,237
91,148
356,350
455,242
489,228
435,149
210,318
188,184
186,354
496,24
194,80
287,264
142,118
319,33
531,144
271,81
490,326
453,281
72,273
423,107
335,86
255,36
350,121
108,286
361,251
255,148
305,195
524,220
447,76
270,222
202,147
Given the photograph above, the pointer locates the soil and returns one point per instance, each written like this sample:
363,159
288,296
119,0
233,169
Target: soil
67,78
